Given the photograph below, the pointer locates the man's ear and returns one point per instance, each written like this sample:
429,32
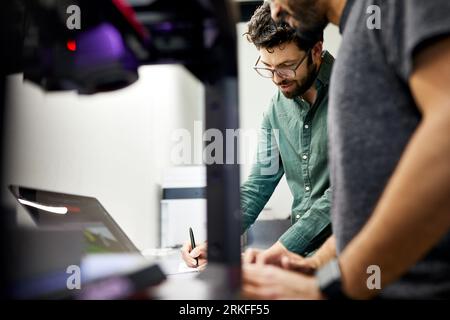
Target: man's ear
316,51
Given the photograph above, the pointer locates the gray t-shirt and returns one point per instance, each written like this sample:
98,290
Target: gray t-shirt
372,116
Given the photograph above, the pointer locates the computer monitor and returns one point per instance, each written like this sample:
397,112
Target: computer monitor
60,211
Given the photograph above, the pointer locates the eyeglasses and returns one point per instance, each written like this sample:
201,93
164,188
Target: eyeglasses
284,73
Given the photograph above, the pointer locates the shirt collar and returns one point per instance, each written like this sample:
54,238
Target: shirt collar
325,69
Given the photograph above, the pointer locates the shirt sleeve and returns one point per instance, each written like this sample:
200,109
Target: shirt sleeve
265,174
418,23
308,233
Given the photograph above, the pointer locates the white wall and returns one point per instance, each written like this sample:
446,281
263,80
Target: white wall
113,146
254,96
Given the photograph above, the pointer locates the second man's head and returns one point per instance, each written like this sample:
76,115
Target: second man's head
290,61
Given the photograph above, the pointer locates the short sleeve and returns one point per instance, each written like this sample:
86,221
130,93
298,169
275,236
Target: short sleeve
423,21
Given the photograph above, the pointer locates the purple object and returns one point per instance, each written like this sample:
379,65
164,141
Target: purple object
165,26
102,44
102,61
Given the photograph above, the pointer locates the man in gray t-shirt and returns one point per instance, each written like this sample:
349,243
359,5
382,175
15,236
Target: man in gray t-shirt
389,133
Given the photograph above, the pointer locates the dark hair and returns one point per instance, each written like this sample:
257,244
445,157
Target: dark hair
263,32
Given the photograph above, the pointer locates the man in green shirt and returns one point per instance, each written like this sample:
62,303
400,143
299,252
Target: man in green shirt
293,140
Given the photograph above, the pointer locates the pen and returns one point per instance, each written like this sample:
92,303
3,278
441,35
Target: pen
191,235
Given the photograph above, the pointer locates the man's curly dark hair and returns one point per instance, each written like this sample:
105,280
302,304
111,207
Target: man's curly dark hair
265,33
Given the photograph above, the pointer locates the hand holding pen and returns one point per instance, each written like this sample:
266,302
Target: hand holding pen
194,255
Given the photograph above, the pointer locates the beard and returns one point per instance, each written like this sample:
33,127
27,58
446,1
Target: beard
302,85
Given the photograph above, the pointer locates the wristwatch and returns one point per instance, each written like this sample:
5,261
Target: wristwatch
329,280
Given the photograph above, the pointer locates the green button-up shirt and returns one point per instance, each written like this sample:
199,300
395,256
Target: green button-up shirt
293,141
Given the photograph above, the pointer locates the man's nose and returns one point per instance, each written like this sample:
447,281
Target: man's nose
277,79
275,10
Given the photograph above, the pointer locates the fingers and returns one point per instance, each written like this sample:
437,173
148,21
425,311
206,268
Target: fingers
250,255
269,257
202,263
306,266
294,256
264,258
271,282
259,293
260,256
285,263
251,276
305,269
186,247
190,261
190,257
257,274
199,251
273,254
259,282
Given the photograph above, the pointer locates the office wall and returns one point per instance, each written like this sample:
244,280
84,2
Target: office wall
113,146
254,95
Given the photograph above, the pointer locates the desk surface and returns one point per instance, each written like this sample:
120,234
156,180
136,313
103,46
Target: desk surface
212,283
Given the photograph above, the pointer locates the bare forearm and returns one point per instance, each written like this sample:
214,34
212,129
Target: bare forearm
326,252
413,213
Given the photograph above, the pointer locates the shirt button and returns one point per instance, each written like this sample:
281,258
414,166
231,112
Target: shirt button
306,126
305,157
297,216
307,188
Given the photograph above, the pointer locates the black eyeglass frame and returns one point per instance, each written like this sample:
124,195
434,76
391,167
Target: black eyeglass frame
293,69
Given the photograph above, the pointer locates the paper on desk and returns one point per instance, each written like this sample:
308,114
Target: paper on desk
183,268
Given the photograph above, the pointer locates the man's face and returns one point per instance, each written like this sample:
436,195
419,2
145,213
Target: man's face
288,55
308,17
